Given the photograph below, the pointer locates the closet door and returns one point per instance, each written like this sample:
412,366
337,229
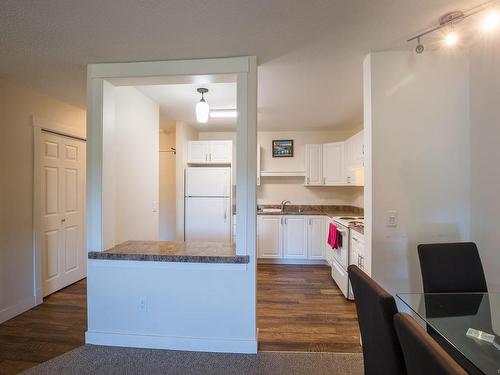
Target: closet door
62,198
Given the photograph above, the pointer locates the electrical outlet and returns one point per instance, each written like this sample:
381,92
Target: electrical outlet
392,218
143,307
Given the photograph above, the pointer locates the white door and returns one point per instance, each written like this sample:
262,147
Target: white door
221,152
208,182
316,237
295,237
333,163
198,152
62,200
207,219
270,236
314,168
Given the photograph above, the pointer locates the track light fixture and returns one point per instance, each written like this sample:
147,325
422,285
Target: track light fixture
448,20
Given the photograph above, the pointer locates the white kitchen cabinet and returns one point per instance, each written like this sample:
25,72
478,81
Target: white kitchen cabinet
209,152
221,152
357,249
258,165
270,236
325,164
291,237
295,237
333,164
354,159
316,237
198,151
314,167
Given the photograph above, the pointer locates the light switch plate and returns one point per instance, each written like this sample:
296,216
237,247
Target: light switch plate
392,218
154,206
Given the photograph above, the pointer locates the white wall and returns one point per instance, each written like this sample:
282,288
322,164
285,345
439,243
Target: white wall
183,134
420,152
17,105
274,189
167,187
485,152
188,306
133,187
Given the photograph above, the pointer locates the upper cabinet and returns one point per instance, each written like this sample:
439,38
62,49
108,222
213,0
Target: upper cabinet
314,165
258,164
354,159
335,164
209,152
354,150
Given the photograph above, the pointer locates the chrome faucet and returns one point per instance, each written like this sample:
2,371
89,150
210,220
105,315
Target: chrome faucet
283,204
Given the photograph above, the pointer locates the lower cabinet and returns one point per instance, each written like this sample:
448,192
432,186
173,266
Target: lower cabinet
316,237
357,249
270,236
291,237
295,237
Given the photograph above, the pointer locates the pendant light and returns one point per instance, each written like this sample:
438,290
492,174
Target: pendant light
202,107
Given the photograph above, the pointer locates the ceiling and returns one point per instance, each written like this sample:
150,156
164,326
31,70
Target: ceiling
310,53
177,102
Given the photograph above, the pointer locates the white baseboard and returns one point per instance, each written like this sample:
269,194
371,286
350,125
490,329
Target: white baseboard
18,308
291,261
172,343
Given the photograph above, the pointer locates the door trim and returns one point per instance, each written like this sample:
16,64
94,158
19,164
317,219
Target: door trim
39,126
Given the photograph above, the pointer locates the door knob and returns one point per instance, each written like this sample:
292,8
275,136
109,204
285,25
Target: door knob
63,220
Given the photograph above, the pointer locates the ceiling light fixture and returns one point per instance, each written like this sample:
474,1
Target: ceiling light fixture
450,19
490,21
202,107
223,113
451,39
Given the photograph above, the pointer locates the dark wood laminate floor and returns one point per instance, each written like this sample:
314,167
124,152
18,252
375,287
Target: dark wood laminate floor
299,308
56,326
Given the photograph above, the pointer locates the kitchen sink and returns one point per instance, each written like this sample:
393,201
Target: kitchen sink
271,210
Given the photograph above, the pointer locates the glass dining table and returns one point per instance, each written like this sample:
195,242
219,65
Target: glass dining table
467,325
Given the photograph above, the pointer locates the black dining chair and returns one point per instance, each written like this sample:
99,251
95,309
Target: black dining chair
423,355
451,268
376,309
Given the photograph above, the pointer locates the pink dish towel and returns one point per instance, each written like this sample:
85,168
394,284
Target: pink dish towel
333,236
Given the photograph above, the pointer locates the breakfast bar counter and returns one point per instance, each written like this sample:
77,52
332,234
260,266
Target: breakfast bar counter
173,251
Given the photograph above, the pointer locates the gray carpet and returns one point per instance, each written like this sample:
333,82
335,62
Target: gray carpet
91,359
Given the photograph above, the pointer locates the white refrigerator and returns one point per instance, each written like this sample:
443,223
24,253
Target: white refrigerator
207,204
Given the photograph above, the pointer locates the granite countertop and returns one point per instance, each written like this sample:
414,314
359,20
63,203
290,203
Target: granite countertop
173,251
329,211
357,229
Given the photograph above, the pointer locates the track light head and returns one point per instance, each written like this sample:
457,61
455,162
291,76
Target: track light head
420,47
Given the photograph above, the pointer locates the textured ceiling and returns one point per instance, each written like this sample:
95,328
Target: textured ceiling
310,52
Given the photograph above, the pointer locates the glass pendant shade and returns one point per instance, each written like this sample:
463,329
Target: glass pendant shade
202,110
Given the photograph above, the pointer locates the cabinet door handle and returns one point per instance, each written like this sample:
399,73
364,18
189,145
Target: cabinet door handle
210,157
307,180
324,180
